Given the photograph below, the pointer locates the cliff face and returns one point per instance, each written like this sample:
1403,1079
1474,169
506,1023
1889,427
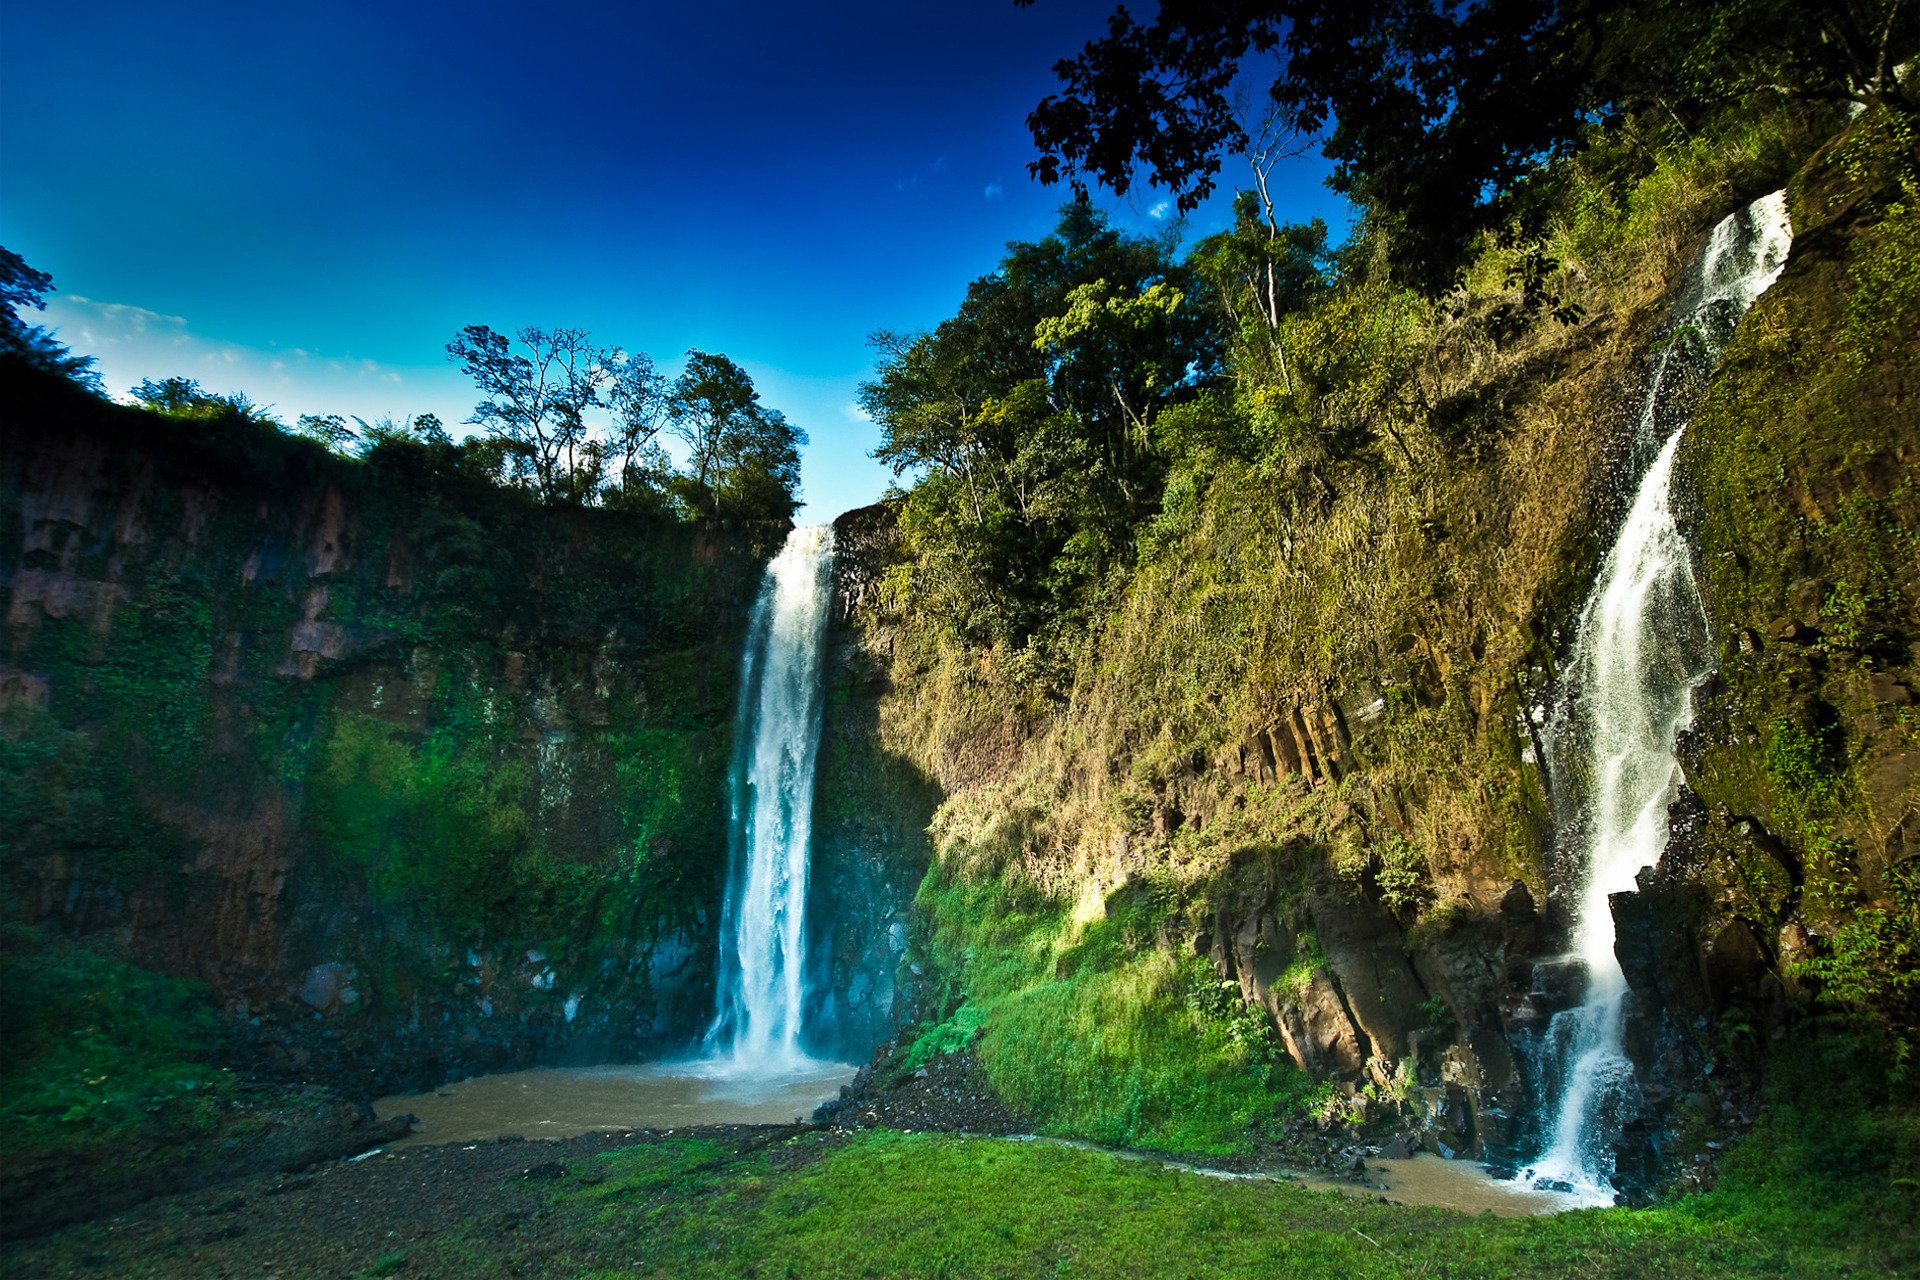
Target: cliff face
419,778
871,811
1299,744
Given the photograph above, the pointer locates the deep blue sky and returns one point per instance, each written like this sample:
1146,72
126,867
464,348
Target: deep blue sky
305,203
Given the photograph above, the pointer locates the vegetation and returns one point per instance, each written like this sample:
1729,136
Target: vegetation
1440,118
1805,1197
1251,562
539,416
1815,708
1801,1200
1369,509
101,1054
30,344
1031,420
361,693
1087,1025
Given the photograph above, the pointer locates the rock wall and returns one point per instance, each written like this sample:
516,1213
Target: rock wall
420,778
872,810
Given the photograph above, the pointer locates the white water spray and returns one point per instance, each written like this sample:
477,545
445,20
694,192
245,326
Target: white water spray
1641,649
761,982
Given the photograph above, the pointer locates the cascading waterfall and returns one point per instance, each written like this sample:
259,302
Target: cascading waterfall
757,1028
1641,649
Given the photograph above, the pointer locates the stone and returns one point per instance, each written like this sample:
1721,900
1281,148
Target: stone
1805,598
1558,984
1733,963
322,985
1884,688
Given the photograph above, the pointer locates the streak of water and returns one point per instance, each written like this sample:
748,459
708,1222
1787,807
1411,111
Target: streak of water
1641,649
757,1026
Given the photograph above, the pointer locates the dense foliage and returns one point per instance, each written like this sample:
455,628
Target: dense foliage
1034,421
576,422
31,344
1438,116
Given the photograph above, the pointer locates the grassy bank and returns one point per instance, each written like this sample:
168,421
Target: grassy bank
1825,1187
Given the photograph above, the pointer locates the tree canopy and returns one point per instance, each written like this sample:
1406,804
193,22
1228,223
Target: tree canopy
1436,111
574,418
1030,419
179,397
577,422
25,286
744,458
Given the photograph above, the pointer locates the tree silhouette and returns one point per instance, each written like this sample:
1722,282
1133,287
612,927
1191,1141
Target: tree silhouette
743,458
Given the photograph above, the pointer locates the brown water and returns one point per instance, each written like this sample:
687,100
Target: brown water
563,1102
1463,1185
1422,1179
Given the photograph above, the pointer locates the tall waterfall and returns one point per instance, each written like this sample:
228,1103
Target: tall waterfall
761,988
1641,649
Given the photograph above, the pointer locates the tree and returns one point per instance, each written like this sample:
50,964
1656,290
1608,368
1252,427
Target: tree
179,397
36,345
1264,270
328,430
1029,418
565,410
743,458
1436,114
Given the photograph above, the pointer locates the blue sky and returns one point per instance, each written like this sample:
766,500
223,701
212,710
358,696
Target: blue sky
305,203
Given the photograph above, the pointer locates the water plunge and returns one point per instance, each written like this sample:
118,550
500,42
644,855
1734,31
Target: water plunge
761,984
1641,649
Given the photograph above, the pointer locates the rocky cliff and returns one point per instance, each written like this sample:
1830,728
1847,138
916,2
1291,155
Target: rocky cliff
420,779
1300,748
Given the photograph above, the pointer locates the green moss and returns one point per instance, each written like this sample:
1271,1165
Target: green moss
1096,1032
434,823
100,1054
953,1034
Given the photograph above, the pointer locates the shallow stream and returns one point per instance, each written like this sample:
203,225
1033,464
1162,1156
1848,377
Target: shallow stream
563,1102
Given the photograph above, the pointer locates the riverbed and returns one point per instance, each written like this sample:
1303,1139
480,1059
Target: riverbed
564,1102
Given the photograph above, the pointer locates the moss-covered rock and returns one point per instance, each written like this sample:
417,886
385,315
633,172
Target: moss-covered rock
418,776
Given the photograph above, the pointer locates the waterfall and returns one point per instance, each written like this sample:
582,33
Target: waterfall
756,1028
1641,649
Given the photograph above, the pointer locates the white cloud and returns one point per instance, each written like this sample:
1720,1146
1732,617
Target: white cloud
130,343
852,412
1160,210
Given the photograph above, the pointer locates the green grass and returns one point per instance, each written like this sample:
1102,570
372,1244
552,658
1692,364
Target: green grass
1095,1031
99,1053
899,1205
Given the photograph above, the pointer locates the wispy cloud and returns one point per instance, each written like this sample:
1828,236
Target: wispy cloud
131,342
1160,210
912,180
995,191
853,412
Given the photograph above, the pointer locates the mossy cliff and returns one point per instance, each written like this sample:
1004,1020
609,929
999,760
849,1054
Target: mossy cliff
1282,837
416,776
1798,867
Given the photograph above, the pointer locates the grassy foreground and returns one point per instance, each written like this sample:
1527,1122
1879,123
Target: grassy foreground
935,1206
1815,1192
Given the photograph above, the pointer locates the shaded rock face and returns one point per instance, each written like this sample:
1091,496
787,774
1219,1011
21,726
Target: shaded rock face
1354,1002
872,809
420,779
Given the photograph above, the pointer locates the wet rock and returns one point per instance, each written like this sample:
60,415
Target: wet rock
322,986
1558,984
